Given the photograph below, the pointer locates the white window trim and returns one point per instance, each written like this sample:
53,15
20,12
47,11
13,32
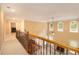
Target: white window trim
76,28
60,30
51,29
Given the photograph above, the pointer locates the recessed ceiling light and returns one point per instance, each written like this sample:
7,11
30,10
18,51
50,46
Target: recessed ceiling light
12,10
13,18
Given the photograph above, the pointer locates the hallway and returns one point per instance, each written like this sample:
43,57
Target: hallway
43,29
11,46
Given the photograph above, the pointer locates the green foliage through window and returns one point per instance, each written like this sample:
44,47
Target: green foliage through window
60,25
74,26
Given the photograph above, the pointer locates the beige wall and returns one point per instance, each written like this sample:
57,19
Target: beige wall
6,27
31,26
19,25
38,27
1,27
35,27
65,34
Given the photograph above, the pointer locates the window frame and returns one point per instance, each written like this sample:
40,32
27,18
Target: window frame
58,26
51,28
74,30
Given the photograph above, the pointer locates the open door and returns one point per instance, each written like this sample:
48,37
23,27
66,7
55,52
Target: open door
13,27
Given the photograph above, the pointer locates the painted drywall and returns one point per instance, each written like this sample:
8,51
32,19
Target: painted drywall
6,27
1,26
19,25
35,27
66,34
39,27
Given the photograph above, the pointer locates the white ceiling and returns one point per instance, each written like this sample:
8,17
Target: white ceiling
42,11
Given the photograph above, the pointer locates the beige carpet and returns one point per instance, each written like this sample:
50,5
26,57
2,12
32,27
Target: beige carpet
11,46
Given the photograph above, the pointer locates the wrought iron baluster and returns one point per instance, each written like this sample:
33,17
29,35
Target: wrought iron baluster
43,47
46,47
54,50
66,51
75,53
37,47
50,48
32,49
60,50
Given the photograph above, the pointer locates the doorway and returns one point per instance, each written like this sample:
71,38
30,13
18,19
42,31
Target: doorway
13,27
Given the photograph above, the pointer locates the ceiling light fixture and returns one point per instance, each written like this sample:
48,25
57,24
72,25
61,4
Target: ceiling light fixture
12,10
13,18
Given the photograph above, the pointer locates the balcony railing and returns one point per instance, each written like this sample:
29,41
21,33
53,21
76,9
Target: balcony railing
36,45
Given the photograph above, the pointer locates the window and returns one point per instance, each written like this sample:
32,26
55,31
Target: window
51,26
60,26
73,26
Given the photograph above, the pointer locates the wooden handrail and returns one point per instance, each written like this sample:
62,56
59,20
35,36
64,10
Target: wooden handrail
55,43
